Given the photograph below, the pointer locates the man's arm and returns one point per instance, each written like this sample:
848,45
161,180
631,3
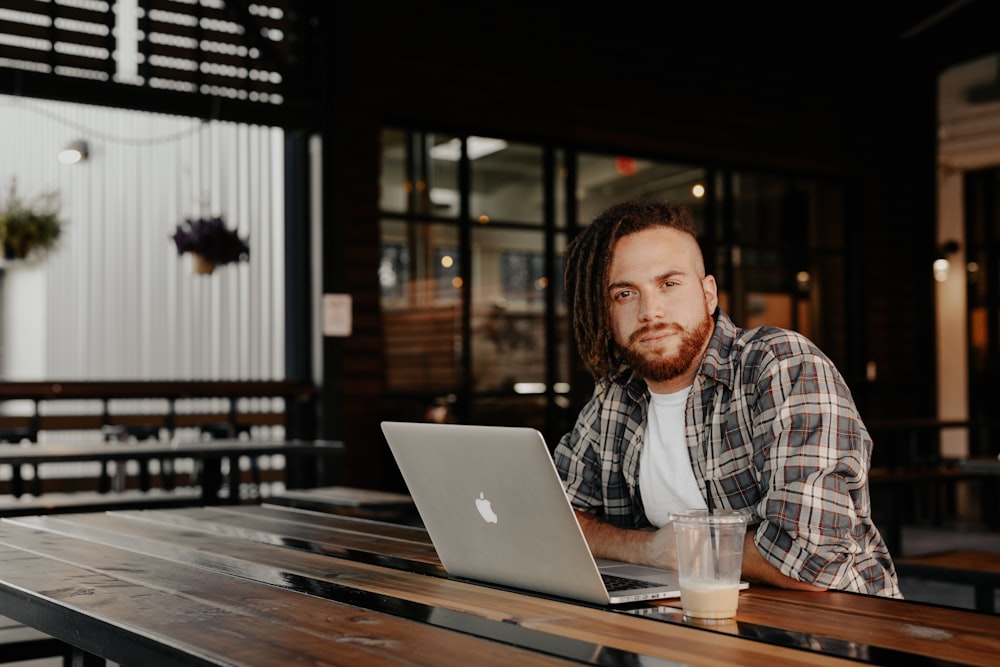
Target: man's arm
656,547
757,568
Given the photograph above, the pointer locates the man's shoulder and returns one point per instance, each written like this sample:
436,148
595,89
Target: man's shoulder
777,341
762,340
735,350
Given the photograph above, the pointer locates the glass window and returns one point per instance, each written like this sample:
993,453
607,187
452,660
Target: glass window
604,180
393,269
514,380
421,307
780,256
507,184
419,263
447,277
509,288
440,192
524,278
395,178
775,245
419,174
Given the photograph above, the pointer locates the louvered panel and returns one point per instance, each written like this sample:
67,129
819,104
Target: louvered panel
235,57
242,87
72,39
233,24
226,51
233,50
82,11
55,61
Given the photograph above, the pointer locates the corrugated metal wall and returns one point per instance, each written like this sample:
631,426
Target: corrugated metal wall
114,300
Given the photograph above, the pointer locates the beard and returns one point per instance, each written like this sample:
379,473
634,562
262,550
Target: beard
658,366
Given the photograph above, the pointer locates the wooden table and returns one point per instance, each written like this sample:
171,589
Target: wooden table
209,452
273,585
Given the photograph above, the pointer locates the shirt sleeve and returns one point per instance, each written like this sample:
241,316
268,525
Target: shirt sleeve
578,462
814,460
598,459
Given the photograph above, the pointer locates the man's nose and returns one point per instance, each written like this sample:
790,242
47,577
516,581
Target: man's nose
651,307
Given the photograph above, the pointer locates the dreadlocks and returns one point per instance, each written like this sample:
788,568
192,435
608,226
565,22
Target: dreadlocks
588,257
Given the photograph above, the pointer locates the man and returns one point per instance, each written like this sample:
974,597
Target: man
687,404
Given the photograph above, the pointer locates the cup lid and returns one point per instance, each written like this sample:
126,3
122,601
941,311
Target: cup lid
715,516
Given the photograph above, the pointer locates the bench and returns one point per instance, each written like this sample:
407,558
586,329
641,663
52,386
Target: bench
20,643
221,476
139,410
979,569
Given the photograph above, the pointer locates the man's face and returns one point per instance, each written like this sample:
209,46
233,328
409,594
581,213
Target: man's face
661,305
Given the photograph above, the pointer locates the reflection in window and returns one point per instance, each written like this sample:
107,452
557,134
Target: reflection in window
605,180
523,278
507,184
415,178
446,273
393,268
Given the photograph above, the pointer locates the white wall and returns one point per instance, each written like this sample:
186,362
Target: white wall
114,300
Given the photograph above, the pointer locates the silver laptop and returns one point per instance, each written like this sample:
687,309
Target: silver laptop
496,510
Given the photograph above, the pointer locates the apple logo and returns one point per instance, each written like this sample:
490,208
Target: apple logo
485,509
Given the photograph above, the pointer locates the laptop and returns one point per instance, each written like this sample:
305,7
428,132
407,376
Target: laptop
496,511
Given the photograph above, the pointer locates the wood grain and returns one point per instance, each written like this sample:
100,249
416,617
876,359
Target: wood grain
277,546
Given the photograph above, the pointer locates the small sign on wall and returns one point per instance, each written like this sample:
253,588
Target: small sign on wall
336,314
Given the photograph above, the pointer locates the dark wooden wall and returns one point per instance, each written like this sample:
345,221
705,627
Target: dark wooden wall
636,83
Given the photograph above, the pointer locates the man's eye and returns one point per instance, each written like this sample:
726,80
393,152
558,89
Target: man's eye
624,294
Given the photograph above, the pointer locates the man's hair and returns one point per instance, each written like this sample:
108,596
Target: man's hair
588,258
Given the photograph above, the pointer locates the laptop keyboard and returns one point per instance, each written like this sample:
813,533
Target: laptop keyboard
614,583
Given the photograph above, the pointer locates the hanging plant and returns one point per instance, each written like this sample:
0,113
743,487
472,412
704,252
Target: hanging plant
210,242
28,227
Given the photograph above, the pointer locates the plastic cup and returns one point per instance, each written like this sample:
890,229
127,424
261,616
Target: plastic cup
709,561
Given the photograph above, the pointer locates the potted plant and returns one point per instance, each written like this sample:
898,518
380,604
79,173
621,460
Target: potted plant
210,242
28,227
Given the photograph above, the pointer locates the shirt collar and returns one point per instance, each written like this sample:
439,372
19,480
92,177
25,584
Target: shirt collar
716,363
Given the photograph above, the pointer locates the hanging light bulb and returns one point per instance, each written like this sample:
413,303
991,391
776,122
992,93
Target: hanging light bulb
942,263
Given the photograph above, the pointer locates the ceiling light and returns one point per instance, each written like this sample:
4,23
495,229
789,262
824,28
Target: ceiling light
476,147
77,151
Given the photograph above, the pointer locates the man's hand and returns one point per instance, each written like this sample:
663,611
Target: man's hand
662,548
644,547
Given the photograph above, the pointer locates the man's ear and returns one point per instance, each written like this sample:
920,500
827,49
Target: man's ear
711,291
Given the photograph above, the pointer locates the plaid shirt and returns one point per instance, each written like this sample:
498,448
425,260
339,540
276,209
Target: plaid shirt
772,429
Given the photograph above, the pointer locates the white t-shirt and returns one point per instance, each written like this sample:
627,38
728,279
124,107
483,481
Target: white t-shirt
666,480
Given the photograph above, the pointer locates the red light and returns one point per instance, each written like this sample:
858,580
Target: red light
626,166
